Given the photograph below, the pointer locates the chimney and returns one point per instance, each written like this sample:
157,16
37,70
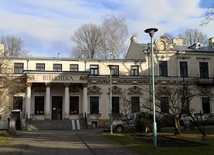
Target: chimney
177,41
211,42
133,39
58,55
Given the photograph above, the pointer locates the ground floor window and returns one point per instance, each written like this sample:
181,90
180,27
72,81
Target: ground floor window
206,105
17,103
94,105
135,103
74,104
39,105
185,105
115,105
164,104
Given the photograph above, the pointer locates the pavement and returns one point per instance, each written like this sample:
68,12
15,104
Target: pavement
62,142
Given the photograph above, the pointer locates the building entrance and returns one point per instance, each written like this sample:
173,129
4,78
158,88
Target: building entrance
57,108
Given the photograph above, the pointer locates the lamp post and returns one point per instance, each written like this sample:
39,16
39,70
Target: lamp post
110,99
151,32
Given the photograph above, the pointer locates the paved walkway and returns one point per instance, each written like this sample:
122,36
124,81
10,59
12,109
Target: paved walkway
82,142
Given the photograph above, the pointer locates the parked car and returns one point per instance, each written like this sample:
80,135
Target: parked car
125,123
210,119
193,118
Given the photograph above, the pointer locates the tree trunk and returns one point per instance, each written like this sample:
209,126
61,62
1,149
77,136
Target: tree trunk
177,126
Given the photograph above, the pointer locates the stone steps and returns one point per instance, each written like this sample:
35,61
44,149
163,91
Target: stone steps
33,125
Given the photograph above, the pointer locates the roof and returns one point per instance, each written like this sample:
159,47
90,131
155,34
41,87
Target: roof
135,52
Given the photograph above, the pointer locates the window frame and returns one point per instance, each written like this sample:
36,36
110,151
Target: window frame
204,70
40,66
57,67
94,69
135,106
74,67
39,106
74,105
183,68
18,68
94,107
163,68
134,71
115,70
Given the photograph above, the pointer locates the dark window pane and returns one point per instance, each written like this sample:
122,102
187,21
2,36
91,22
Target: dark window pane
94,105
135,70
164,104
18,68
115,105
183,69
135,104
73,67
57,67
39,105
17,103
204,73
206,105
94,69
163,71
40,66
74,105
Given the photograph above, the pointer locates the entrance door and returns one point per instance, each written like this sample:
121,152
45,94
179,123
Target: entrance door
57,108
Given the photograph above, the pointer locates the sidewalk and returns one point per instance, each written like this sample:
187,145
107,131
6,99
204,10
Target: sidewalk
62,142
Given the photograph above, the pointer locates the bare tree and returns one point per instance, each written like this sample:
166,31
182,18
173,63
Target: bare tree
169,36
114,33
105,41
13,46
209,15
9,84
192,36
88,41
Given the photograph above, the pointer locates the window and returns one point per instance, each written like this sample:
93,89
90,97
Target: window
115,105
39,105
18,68
115,70
163,68
74,67
204,73
206,105
94,105
134,70
94,69
135,101
183,69
185,105
17,103
57,67
40,66
74,105
164,104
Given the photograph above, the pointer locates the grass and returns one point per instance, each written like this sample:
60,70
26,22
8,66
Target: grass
145,147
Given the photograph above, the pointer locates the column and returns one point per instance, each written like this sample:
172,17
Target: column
85,99
47,102
28,100
67,101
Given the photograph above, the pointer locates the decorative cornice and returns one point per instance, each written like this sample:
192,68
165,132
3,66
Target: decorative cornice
94,90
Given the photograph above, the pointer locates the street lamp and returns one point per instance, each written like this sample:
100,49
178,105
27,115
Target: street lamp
151,32
110,98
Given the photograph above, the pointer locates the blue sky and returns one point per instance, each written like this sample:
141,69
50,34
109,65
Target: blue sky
46,26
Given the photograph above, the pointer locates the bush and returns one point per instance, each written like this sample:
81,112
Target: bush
142,120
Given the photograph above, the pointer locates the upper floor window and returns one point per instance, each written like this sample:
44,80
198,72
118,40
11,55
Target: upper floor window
163,71
204,72
57,67
18,68
73,67
94,69
134,70
183,69
114,70
40,66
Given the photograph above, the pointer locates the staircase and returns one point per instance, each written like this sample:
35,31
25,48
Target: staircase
34,125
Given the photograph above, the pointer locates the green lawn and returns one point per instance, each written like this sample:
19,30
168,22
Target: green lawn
202,147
